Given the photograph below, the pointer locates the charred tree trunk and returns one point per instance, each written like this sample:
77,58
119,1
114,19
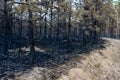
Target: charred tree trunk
5,16
31,38
51,19
45,29
68,31
20,37
58,25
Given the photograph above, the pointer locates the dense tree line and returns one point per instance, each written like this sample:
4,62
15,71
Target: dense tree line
61,23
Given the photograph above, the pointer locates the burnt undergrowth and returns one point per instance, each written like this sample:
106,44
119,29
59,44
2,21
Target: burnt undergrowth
51,57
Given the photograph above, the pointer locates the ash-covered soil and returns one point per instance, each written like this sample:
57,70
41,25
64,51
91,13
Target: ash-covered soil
97,64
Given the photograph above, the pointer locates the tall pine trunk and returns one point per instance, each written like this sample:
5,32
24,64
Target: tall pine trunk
5,15
69,30
51,19
31,38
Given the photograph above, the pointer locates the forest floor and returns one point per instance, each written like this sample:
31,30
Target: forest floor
97,64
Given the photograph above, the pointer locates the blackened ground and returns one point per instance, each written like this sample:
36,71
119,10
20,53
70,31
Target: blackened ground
99,62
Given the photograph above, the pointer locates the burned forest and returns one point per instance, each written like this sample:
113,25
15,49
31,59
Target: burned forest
38,31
